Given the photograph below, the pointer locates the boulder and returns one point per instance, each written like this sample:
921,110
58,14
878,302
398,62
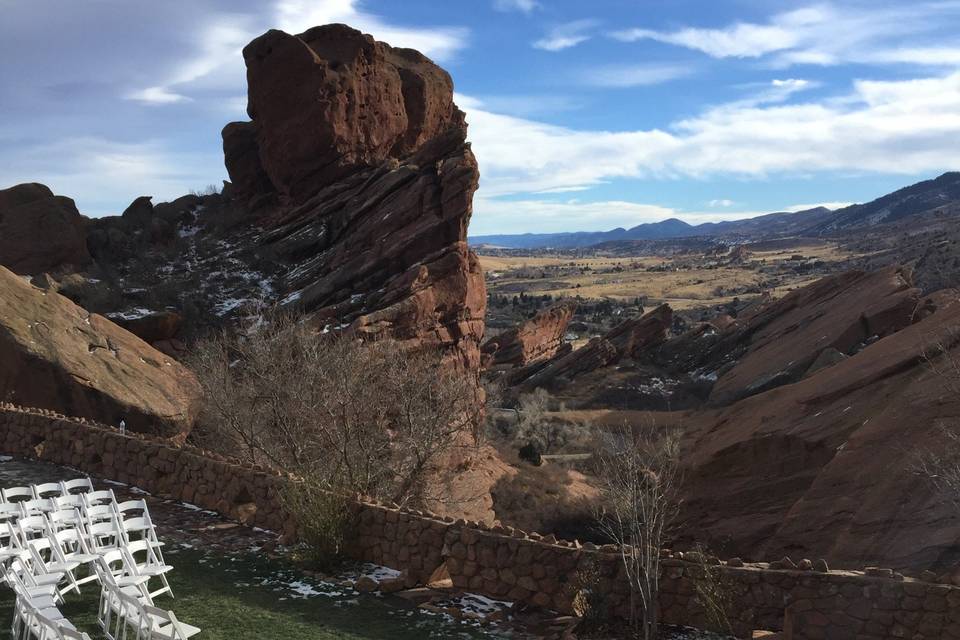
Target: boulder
55,355
536,339
363,155
40,231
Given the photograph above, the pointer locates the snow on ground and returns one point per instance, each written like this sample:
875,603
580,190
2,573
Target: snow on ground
131,314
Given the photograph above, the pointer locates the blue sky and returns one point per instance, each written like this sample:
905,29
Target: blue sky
584,116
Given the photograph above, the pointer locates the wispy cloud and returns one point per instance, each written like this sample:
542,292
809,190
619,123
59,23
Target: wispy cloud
566,35
827,34
721,202
219,39
106,172
895,127
623,76
524,6
492,215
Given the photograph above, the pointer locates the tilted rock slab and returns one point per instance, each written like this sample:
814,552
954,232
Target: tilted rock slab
534,340
826,467
356,165
628,339
55,355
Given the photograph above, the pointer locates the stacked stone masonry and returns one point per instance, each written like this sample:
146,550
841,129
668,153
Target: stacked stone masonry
502,562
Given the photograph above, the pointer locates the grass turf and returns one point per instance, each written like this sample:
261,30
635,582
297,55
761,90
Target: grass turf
249,597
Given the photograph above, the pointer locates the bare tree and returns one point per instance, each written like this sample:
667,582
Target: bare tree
640,475
368,418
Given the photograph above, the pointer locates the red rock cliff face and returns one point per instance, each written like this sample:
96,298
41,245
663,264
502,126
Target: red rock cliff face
357,164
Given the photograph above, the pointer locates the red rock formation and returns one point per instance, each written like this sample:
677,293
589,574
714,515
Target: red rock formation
823,467
628,339
534,340
363,153
40,231
55,355
782,338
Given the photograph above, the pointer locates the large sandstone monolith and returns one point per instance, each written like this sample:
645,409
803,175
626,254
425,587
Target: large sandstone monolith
356,163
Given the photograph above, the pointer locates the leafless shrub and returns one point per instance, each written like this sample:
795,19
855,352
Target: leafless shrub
714,592
639,472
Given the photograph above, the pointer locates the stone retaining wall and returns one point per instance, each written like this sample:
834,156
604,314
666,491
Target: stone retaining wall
502,562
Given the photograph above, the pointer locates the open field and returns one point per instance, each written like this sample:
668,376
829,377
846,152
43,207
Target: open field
685,281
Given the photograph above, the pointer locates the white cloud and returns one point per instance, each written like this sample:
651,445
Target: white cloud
721,202
494,215
894,127
566,35
622,76
216,59
156,95
101,172
525,6
827,34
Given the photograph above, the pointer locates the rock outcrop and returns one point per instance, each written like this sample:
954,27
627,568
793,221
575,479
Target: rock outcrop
40,231
356,165
534,340
825,467
631,338
783,338
55,355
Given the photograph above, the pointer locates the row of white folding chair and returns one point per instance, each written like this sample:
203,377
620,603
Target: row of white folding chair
67,549
11,511
47,490
33,622
124,604
39,591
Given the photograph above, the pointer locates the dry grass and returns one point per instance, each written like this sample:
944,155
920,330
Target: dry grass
687,288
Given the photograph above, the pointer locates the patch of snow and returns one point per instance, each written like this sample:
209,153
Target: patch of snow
131,314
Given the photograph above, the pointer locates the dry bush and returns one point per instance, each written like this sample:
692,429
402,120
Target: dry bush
714,592
368,418
639,473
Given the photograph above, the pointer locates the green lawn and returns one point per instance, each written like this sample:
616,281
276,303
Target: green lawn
233,598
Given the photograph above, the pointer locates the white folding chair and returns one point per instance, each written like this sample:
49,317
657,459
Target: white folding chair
20,576
141,528
11,545
46,622
70,547
77,486
152,565
65,519
110,611
47,554
9,511
104,496
154,623
17,494
37,506
64,633
104,535
47,490
68,501
31,527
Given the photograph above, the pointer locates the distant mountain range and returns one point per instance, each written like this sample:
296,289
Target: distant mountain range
913,200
